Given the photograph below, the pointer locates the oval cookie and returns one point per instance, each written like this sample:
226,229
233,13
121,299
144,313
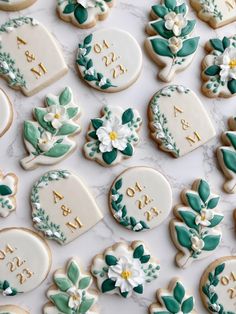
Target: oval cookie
58,201
178,120
6,115
217,286
15,5
104,60
140,198
8,190
12,309
20,253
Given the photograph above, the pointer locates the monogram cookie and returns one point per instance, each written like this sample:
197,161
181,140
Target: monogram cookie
195,230
104,60
6,115
23,61
15,5
20,253
172,123
58,201
217,286
12,309
140,199
8,189
48,139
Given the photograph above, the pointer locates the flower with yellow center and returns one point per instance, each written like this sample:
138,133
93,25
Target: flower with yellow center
227,63
204,218
56,115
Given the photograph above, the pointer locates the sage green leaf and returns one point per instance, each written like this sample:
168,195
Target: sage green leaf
61,301
179,292
128,151
109,157
171,304
58,150
212,203
108,285
72,112
97,123
39,115
219,269
211,242
189,47
88,39
232,138
212,70
160,10
5,190
127,116
85,305
118,184
189,218
63,283
226,42
217,44
81,14
65,97
183,237
216,221
181,9
69,8
111,260
31,134
84,283
138,252
51,101
187,305
138,289
204,190
229,158
188,28
159,27
161,47
67,129
73,272
170,4
194,201
232,86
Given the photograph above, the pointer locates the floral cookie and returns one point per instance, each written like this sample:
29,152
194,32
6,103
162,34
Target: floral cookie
227,157
58,200
219,68
8,189
217,286
172,123
71,292
104,60
171,44
217,13
20,253
195,231
15,5
12,309
112,137
6,116
124,269
84,13
48,139
23,62
173,300
140,198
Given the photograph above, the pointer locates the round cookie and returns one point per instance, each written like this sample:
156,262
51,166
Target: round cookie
20,253
140,198
217,286
15,5
12,309
104,60
6,116
8,190
84,13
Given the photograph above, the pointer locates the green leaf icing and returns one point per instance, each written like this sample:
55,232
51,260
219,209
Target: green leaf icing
7,290
210,10
8,189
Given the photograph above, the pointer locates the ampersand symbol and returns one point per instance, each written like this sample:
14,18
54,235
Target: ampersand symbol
29,56
65,210
185,124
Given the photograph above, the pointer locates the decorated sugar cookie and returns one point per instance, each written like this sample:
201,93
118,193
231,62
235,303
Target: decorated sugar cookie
20,253
172,123
140,198
58,202
219,68
48,139
174,300
227,157
84,13
6,115
124,269
195,231
23,61
217,286
71,292
104,60
216,13
8,189
12,309
171,43
15,5
112,137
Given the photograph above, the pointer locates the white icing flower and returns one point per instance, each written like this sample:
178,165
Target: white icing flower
57,234
4,65
36,219
212,288
49,233
82,52
160,135
175,44
7,292
155,109
138,227
53,176
34,22
205,217
46,141
227,63
36,205
88,3
181,89
113,135
115,197
75,297
118,214
157,126
216,307
102,82
127,274
56,115
90,71
197,244
11,75
175,22
9,29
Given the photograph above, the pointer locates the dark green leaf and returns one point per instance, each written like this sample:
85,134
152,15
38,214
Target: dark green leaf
161,47
232,138
69,8
187,305
127,116
93,135
5,190
216,220
108,285
194,201
171,304
184,237
160,10
179,292
138,289
181,9
81,14
211,242
61,301
232,86
226,42
189,218
97,123
73,272
31,134
138,252
128,151
159,27
111,260
188,28
229,158
170,4
219,269
189,47
212,70
217,44
109,157
204,190
212,203
88,39
145,259
118,184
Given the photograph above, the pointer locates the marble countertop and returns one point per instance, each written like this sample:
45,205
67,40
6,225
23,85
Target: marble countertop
130,15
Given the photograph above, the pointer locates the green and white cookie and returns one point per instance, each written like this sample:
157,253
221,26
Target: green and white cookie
6,115
12,309
15,5
124,269
8,190
140,198
195,230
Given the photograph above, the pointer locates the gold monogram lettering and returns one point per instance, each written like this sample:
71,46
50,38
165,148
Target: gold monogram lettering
41,70
57,197
65,210
192,140
29,56
20,42
185,124
75,225
8,250
231,4
177,110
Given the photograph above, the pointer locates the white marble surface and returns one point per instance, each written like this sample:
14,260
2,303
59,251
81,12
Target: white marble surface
130,15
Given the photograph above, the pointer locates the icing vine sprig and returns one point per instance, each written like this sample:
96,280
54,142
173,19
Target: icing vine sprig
11,24
210,6
6,289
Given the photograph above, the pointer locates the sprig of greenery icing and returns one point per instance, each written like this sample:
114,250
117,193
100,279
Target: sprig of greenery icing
190,232
159,122
120,210
40,217
87,68
162,41
6,289
6,195
8,67
129,118
80,13
176,301
210,7
71,294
